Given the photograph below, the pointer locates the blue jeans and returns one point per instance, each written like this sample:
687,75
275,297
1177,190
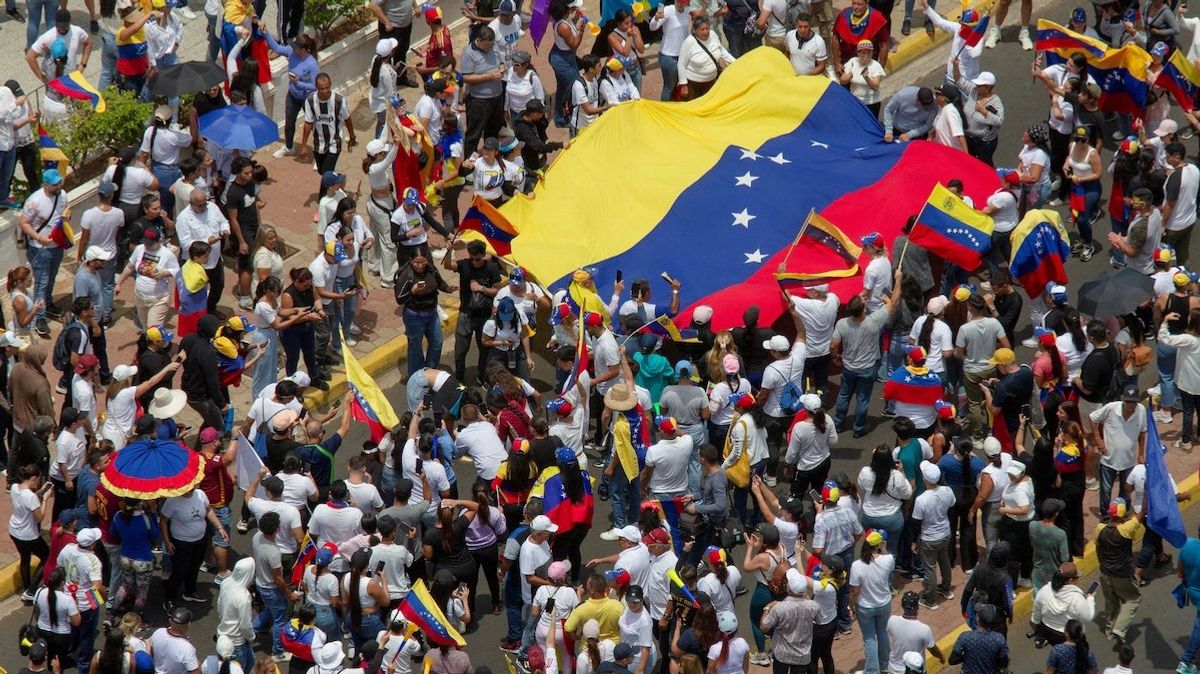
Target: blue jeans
1193,645
418,326
108,60
1120,227
44,262
566,71
669,67
368,628
843,593
1091,210
1165,362
893,524
1109,476
273,613
626,499
327,620
908,8
83,639
513,606
859,384
108,284
245,655
266,370
344,310
8,164
167,174
38,11
529,629
873,623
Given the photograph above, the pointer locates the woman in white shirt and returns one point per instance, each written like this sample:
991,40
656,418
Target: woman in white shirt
701,60
25,524
883,489
121,396
557,598
348,229
747,434
932,333
522,85
863,75
507,339
383,81
871,595
1033,165
267,260
381,155
1072,343
70,453
616,86
948,125
636,629
57,614
269,319
133,181
487,173
721,582
585,95
1082,168
808,446
730,655
1016,510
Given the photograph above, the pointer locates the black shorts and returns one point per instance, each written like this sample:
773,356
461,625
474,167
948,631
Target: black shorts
246,262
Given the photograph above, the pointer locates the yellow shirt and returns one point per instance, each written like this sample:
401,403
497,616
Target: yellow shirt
604,611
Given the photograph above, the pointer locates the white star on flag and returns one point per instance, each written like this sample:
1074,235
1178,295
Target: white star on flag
816,143
746,180
778,159
743,218
750,154
756,257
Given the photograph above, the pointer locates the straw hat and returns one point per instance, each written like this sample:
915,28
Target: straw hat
620,398
167,403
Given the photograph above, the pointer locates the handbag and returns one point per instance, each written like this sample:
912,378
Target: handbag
778,585
739,473
751,29
27,634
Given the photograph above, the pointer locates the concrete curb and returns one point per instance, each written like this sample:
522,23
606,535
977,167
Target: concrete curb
917,44
1023,604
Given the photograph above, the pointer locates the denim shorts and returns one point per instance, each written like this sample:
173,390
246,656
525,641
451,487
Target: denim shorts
225,517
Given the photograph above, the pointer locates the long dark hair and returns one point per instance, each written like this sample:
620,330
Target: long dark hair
376,66
559,9
926,334
358,566
881,465
446,520
124,158
1072,325
572,478
269,284
1133,325
246,78
519,478
1074,632
343,205
480,494
57,577
1056,363
112,653
819,419
963,447
704,626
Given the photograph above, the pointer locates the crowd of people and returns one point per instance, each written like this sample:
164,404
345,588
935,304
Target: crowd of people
735,434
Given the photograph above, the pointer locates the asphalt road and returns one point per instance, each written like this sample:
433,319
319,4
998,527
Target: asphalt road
1025,104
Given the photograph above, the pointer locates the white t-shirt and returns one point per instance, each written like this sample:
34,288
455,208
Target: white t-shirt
888,502
521,89
565,601
819,318
584,91
507,35
1005,217
43,210
858,79
430,108
172,654
636,630
320,590
906,635
719,405
265,314
1137,480
873,581
605,354
932,507
103,226
71,451
121,410
1029,157
532,556
22,524
482,443
265,408
635,560
365,496
74,41
435,474
670,459
1184,213
878,280
488,179
1019,495
146,264
297,487
776,24
947,126
506,333
134,186
186,515
64,608
779,372
735,657
805,56
940,340
335,525
1120,434
526,303
359,231
721,594
324,273
83,397
289,518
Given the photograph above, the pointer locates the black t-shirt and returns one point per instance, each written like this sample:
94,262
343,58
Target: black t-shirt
749,342
277,450
151,363
1011,393
239,201
1093,120
1154,181
203,103
1097,371
456,556
486,275
1115,553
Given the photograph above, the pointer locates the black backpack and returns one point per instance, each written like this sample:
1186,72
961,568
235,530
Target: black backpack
61,357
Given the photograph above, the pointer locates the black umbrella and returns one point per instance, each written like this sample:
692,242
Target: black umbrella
186,78
1115,292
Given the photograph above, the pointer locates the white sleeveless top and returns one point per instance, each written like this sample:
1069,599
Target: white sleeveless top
559,43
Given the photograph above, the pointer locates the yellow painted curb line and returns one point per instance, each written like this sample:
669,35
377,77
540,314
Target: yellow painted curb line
1023,604
918,43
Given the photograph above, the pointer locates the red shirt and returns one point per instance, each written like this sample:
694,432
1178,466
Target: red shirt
107,505
59,538
216,484
439,45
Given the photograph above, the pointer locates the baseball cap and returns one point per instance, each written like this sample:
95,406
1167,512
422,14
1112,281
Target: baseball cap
634,594
657,536
910,601
591,629
796,582
1181,279
492,144
38,651
777,343
14,340
1016,469
96,253
875,536
86,362
944,409
924,95
301,378
830,492
324,557
506,310
631,533
1116,507
151,235
917,355
536,656
984,79
376,146
124,372
68,517
433,14
727,622
914,661
1057,292
209,434
157,333
180,616
666,424
53,177
560,406
542,525
1002,356
930,472
1167,126
331,178
702,314
622,651
683,367
1130,394
516,277
506,7
273,484
1078,15
592,319
335,249
86,537
411,197
874,238
106,189
1052,506
991,446
565,455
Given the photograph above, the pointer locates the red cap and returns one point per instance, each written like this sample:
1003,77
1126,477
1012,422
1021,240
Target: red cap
658,536
744,402
433,14
916,354
593,319
86,362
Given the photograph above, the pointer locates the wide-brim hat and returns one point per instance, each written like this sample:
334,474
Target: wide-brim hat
330,656
167,403
620,398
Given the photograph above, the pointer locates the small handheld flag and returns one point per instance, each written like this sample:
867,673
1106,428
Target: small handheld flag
972,33
673,576
483,218
370,405
75,85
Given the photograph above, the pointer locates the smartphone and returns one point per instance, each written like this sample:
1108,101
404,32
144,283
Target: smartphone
427,401
379,568
667,277
549,605
814,495
1092,588
620,276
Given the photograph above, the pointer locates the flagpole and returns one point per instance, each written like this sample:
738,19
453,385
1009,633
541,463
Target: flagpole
783,265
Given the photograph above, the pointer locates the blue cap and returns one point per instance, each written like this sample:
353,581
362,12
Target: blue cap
52,177
58,48
68,517
143,662
516,277
1078,15
411,197
331,178
565,455
647,342
683,367
506,310
324,557
872,239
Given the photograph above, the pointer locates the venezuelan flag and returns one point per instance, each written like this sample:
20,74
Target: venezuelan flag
669,511
972,33
308,551
948,227
421,610
483,217
1181,77
370,405
665,328
191,283
913,386
631,438
63,235
581,360
1059,42
564,512
52,154
824,247
133,54
722,179
1039,251
1123,81
75,85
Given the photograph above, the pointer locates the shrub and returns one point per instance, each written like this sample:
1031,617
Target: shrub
323,14
84,134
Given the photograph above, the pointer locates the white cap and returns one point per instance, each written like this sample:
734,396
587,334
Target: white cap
164,112
991,446
1016,469
14,340
86,537
1166,128
124,372
376,146
777,343
96,253
591,629
930,472
985,79
811,401
301,378
224,647
386,46
542,525
915,661
703,313
820,287
631,533
797,583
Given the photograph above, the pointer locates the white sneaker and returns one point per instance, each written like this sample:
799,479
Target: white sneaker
1162,417
186,13
993,36
282,152
439,254
1031,342
442,315
350,341
1054,202
610,535
1023,38
354,329
27,597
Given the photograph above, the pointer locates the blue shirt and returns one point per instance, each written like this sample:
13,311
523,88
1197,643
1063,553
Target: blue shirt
87,284
85,486
305,69
981,651
319,465
445,447
1062,659
1189,558
136,534
952,475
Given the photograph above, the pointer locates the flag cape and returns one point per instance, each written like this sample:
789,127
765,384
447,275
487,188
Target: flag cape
669,510
1039,250
1162,510
370,405
561,510
948,227
732,169
420,608
133,54
75,85
1121,73
919,387
972,33
1077,201
824,251
308,550
631,437
1181,77
497,231
52,154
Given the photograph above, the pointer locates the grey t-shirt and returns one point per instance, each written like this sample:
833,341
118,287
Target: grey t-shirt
860,340
684,402
979,338
407,517
475,61
87,284
399,12
266,560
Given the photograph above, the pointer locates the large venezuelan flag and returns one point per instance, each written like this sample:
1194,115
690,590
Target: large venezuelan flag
825,250
1181,77
950,228
722,185
564,512
370,405
1121,73
1039,251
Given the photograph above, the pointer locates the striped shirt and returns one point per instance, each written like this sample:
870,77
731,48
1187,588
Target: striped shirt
834,530
326,118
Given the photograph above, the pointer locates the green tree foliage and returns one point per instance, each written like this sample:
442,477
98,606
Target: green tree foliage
84,135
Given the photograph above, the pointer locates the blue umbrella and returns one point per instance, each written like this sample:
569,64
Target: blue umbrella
238,127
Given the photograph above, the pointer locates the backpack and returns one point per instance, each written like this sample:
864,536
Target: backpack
789,398
61,358
778,584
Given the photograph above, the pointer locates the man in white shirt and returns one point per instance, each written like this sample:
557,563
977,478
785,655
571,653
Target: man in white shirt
675,20
335,522
606,355
202,222
633,556
662,561
534,554
818,311
290,532
98,227
786,367
1119,435
479,440
42,213
1179,205
931,519
425,473
906,633
65,43
666,472
772,20
878,276
363,495
805,48
173,650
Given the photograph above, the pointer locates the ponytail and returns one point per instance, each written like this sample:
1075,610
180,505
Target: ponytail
926,331
820,422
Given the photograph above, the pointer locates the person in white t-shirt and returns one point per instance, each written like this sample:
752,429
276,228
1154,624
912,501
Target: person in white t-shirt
805,48
948,125
863,74
787,367
479,440
818,310
877,279
666,472
507,26
908,634
931,519
153,267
